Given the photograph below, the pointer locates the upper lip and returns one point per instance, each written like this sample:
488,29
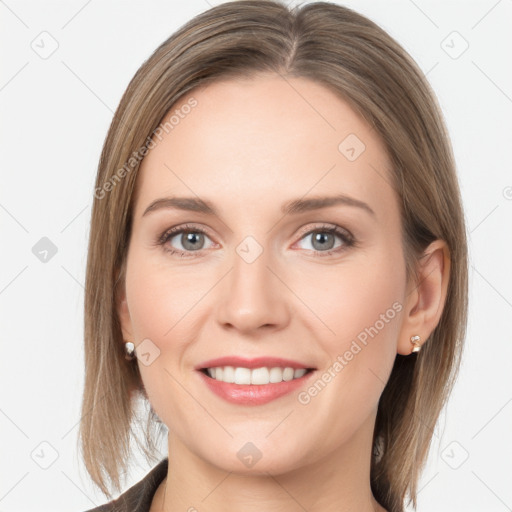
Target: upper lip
257,362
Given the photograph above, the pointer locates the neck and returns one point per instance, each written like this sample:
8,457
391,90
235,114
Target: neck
338,482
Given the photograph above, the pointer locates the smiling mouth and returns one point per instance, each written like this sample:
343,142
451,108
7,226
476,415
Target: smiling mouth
256,376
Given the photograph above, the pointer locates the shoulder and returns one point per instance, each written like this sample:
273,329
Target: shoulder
137,498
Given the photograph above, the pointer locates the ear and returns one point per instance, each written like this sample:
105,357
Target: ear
425,299
122,309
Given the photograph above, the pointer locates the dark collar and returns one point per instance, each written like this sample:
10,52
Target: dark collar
137,498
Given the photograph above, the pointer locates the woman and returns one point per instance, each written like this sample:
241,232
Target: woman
290,376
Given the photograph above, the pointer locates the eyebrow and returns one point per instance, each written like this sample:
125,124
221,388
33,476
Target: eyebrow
296,206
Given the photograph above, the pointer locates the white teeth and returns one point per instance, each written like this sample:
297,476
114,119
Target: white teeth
260,376
288,374
256,376
228,375
242,376
299,373
276,375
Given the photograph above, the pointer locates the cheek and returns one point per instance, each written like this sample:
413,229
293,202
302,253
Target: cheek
364,290
368,304
159,299
154,306
167,307
360,305
158,304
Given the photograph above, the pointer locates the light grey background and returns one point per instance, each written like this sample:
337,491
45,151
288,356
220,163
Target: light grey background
55,112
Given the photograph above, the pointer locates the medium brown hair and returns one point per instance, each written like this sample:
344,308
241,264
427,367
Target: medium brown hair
360,62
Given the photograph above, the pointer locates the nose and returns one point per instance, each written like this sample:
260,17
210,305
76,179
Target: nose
253,296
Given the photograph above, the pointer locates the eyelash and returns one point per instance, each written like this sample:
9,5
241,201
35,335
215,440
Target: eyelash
347,238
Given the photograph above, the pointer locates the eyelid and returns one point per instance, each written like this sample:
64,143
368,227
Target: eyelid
174,230
325,226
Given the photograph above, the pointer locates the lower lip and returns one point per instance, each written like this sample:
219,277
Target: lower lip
253,394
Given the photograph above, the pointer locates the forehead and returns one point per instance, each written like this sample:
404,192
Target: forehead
249,141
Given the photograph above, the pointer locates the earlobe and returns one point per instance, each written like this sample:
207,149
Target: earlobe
426,299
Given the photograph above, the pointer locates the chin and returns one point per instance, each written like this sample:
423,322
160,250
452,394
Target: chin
257,457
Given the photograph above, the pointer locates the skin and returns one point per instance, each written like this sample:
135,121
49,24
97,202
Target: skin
249,146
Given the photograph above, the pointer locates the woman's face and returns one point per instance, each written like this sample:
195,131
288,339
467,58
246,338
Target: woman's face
265,275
